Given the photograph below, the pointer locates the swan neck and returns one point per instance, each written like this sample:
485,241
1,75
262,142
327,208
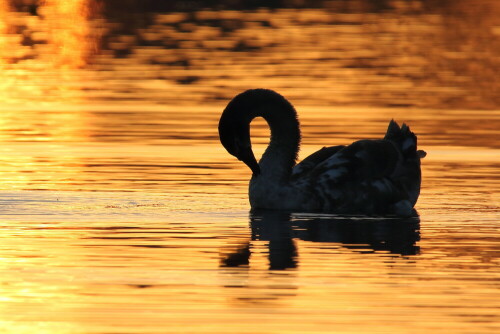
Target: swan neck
281,154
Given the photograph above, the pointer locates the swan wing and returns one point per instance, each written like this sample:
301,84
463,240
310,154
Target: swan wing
312,161
368,176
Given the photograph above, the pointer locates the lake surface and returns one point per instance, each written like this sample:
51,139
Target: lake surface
120,212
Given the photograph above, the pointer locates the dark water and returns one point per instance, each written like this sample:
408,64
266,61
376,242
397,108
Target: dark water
120,212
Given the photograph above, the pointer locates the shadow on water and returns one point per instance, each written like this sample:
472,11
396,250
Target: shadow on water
363,234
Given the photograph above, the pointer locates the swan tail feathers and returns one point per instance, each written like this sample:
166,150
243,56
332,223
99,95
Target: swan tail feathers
404,138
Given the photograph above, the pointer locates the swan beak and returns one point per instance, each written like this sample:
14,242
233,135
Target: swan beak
248,158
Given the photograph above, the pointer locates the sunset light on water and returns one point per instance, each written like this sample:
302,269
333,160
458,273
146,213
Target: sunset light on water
121,212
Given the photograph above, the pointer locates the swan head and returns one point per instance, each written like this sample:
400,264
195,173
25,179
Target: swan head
234,134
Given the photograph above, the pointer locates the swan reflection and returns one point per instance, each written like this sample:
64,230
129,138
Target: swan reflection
366,234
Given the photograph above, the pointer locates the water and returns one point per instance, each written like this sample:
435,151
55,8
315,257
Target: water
120,212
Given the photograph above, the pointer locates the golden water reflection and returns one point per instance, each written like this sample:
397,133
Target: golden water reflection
121,212
159,148
157,273
84,51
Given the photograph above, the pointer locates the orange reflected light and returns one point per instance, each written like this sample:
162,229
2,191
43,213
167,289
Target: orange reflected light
4,28
42,57
71,36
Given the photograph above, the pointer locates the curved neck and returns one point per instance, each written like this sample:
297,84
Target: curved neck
281,154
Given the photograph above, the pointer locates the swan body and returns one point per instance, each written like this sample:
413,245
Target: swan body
366,177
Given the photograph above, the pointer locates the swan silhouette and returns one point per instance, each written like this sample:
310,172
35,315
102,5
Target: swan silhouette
370,177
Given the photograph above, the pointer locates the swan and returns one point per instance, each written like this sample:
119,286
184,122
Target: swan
369,177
